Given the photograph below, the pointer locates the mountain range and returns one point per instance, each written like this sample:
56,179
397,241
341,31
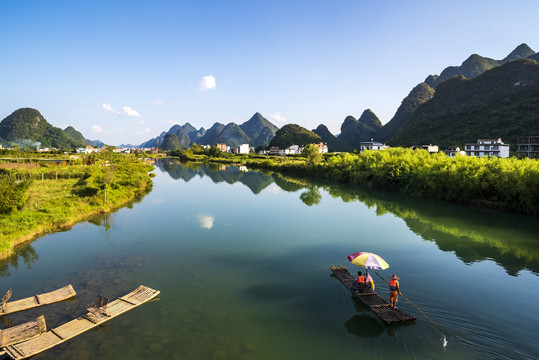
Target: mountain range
257,131
481,98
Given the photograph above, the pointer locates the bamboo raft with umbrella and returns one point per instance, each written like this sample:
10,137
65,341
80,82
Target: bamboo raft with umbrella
96,315
367,296
61,294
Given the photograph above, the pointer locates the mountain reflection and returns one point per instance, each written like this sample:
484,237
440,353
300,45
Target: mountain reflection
472,233
254,180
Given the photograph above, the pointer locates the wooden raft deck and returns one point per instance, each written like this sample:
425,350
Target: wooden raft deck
375,302
39,300
81,324
23,332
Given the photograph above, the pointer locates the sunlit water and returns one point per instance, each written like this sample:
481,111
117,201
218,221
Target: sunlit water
242,262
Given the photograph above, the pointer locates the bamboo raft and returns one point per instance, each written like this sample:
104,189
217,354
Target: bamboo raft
375,302
81,324
23,332
38,300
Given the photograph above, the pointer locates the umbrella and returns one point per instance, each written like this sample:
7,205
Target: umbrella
368,260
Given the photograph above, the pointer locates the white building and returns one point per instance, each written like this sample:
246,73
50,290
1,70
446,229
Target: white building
430,148
487,147
242,149
322,148
87,150
452,152
372,145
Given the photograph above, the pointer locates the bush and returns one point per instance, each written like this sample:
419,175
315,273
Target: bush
12,194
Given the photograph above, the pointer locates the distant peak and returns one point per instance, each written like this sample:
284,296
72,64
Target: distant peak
521,51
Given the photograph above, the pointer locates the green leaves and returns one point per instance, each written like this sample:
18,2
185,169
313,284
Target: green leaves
12,193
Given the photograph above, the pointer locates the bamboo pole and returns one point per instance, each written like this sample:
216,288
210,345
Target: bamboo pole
439,328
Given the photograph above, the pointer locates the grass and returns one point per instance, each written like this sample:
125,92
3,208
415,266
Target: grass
52,205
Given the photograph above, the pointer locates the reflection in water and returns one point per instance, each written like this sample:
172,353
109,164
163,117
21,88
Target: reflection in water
28,255
474,234
311,196
254,180
205,221
106,220
364,325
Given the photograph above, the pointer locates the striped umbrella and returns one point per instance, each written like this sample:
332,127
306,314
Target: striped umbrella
368,260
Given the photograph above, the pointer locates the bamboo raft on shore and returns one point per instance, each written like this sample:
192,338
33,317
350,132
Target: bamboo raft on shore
81,324
38,300
23,332
375,302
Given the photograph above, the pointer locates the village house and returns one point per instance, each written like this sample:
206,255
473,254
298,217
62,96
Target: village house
222,147
372,145
527,146
432,149
87,150
322,148
452,152
242,149
487,147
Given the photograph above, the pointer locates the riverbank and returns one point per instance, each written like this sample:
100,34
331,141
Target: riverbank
506,184
60,201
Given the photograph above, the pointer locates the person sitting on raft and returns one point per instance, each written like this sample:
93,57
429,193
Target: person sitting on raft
360,281
394,290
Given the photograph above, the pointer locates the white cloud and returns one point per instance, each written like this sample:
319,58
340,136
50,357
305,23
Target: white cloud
142,122
207,83
205,221
107,107
158,102
97,128
277,117
145,131
128,111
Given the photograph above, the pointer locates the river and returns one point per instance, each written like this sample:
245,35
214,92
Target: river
242,261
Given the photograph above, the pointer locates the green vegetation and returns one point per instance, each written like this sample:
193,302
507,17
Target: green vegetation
12,194
355,131
293,134
420,94
171,142
500,103
28,124
43,198
509,184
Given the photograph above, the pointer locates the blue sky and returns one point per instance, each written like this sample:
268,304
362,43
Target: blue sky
124,71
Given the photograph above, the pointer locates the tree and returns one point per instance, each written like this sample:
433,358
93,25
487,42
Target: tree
214,151
12,194
313,154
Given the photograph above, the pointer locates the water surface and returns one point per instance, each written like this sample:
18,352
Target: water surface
242,261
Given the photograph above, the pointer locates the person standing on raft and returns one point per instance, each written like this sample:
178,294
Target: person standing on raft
394,291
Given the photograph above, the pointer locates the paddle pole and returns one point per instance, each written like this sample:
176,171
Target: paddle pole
439,328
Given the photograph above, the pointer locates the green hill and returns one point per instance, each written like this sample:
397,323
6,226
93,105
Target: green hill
256,128
417,96
29,124
293,134
75,135
333,143
500,103
355,131
233,135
